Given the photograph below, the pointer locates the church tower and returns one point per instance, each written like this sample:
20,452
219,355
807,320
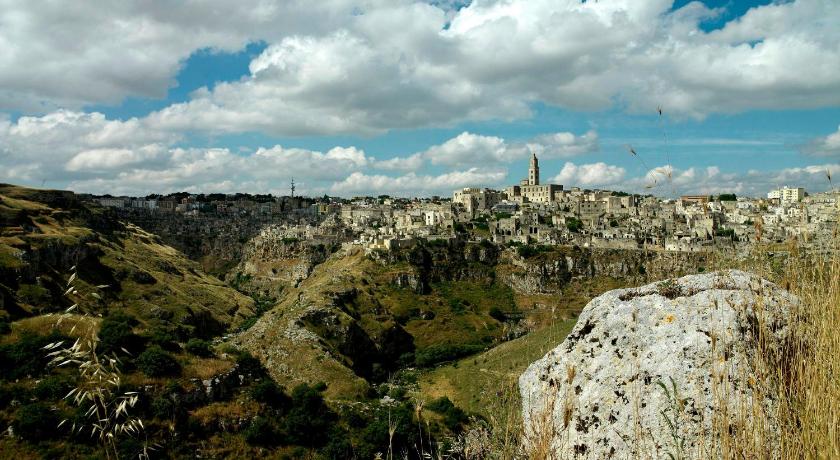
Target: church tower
534,171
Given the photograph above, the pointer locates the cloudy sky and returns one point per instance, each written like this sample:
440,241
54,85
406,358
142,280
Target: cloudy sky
407,98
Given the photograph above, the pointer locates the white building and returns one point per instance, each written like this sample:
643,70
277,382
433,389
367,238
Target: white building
787,195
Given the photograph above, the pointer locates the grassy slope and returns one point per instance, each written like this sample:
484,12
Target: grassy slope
474,383
144,275
458,314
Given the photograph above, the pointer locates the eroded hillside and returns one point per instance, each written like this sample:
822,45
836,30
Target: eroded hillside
44,234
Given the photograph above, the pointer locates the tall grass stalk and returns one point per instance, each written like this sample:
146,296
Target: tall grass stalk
97,389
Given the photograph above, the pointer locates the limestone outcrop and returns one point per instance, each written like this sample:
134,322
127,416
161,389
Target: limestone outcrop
647,371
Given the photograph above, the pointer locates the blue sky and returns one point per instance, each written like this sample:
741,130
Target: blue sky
355,97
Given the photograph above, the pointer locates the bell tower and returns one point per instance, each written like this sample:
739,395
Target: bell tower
534,171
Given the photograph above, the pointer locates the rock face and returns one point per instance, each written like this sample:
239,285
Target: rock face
550,273
647,371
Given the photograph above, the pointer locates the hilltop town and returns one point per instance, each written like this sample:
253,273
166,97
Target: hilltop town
528,213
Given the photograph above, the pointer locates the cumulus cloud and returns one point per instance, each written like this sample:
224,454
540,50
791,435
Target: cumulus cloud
594,174
87,152
413,184
496,59
368,66
101,52
470,149
409,163
669,181
45,148
824,146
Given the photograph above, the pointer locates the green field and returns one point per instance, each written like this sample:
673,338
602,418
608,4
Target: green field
474,383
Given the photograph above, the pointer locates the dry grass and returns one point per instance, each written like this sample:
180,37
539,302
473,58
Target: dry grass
809,410
802,380
205,368
72,325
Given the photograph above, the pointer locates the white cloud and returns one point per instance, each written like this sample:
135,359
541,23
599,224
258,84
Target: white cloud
712,180
416,185
476,150
101,52
110,158
36,149
367,66
824,146
89,153
594,174
495,59
468,148
409,163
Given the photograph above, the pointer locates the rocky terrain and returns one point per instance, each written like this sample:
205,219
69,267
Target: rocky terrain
649,370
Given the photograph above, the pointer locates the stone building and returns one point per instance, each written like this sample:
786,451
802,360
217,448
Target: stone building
530,189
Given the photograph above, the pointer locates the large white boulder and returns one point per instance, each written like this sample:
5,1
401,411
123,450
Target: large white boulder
646,372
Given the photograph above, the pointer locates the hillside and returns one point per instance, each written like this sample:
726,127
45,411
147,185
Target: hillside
43,234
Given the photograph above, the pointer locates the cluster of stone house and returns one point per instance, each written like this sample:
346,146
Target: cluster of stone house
529,212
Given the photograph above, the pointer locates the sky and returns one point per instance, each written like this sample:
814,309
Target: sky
405,98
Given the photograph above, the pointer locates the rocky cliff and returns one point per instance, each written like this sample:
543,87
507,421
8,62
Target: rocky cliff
662,371
550,271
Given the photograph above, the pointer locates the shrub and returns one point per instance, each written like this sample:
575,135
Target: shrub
248,364
260,432
35,422
199,347
155,362
439,353
26,357
268,392
574,224
14,392
116,333
308,414
164,337
453,416
497,314
53,387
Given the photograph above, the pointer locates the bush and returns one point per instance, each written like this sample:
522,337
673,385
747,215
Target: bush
14,392
308,415
199,347
439,353
453,416
116,333
527,250
497,314
260,432
574,224
164,337
53,387
248,364
26,357
35,422
163,407
154,362
268,392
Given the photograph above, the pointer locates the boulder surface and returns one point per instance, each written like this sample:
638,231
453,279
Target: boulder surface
655,371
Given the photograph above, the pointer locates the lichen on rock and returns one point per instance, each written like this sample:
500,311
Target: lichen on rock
659,369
